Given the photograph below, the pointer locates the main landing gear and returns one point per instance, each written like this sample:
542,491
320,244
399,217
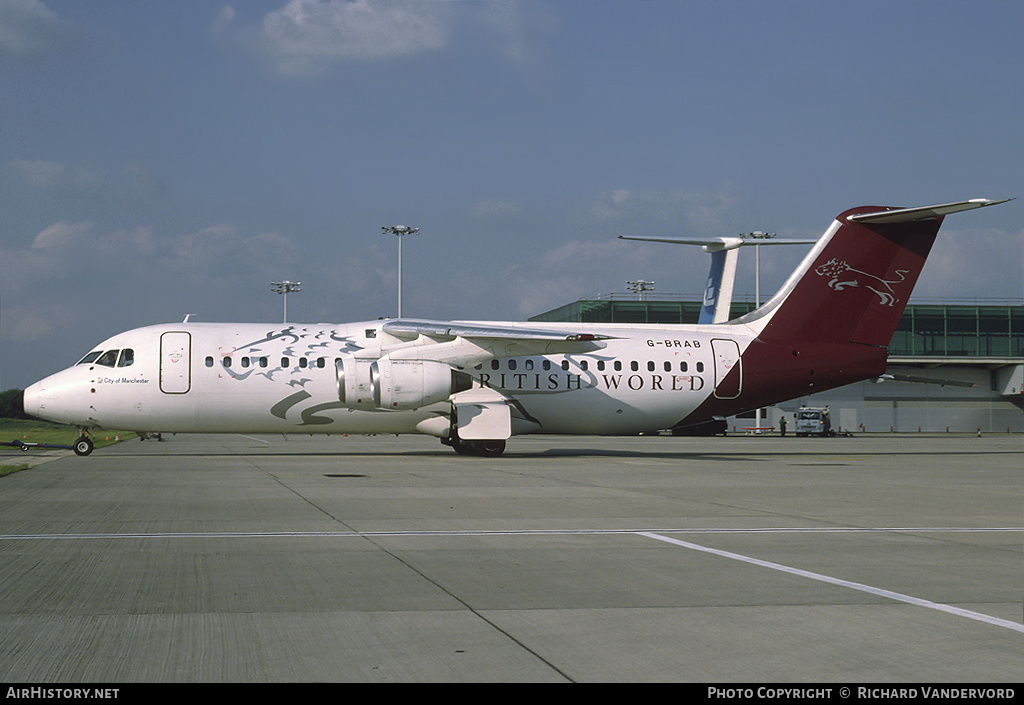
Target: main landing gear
484,449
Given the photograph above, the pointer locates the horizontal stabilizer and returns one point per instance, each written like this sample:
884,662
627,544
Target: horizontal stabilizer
908,215
926,380
714,244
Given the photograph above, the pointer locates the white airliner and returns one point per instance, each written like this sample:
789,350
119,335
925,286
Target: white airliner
476,384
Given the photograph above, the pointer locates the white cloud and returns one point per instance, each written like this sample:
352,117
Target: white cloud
219,248
668,212
28,27
223,19
305,33
30,321
306,36
51,176
60,234
962,259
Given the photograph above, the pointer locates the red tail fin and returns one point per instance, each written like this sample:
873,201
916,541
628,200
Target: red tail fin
855,283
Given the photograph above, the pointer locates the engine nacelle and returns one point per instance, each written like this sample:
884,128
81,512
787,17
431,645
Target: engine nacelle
410,384
354,382
396,384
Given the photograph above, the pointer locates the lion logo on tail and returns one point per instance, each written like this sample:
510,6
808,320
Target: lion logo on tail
841,275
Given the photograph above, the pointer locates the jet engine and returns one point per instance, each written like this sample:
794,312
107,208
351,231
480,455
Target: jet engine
397,384
410,384
354,389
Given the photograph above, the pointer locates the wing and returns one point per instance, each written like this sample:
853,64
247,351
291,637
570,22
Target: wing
449,330
462,344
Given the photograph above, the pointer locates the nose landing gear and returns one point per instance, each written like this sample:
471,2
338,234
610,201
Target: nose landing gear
84,445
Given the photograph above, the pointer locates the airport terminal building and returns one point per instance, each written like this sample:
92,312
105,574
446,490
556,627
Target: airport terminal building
956,367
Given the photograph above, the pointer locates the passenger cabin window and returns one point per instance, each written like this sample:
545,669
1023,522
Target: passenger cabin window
209,360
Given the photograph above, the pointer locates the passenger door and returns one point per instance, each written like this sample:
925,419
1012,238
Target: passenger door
175,362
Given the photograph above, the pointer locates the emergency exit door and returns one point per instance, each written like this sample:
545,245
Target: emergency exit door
175,362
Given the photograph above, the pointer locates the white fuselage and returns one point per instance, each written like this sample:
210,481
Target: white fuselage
253,378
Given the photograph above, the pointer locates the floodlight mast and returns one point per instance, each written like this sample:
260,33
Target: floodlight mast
400,231
638,287
285,288
757,235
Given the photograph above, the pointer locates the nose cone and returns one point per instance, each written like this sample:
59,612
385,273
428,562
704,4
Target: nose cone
30,399
18,402
62,397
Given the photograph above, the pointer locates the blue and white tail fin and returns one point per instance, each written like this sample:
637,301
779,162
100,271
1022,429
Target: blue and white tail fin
717,300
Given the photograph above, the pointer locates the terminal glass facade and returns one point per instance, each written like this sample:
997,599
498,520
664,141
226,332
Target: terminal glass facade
960,331
943,330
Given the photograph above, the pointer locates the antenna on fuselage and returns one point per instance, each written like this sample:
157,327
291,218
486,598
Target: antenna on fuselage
186,317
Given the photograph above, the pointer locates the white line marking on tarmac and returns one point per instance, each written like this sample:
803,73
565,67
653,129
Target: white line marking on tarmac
511,532
899,597
656,535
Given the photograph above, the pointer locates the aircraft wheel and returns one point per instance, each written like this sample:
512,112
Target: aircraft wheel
483,449
461,447
488,449
83,446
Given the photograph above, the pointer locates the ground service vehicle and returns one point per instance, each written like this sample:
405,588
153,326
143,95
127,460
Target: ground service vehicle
813,422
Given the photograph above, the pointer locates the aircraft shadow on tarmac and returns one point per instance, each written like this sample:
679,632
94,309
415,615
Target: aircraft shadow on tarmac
791,453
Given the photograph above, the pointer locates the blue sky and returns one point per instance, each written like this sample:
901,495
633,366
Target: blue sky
158,159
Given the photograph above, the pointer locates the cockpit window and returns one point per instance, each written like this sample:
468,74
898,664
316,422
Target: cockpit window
108,359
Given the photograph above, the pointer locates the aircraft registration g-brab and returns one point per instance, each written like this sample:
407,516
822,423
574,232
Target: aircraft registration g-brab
475,384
